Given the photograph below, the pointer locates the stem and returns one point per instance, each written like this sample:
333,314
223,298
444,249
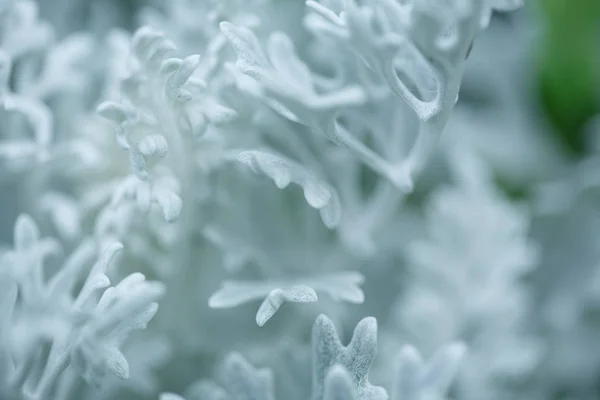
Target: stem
50,377
431,130
21,373
181,154
372,159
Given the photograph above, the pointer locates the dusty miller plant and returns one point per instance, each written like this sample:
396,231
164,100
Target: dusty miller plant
178,178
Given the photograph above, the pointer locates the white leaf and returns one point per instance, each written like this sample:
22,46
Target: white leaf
153,145
507,5
218,114
116,363
26,233
443,367
186,69
295,294
170,396
38,114
282,171
341,286
14,149
113,111
284,59
169,202
143,196
144,39
234,293
316,195
64,213
339,385
416,379
251,59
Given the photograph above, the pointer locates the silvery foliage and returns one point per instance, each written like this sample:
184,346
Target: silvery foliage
339,372
72,318
265,151
23,106
478,257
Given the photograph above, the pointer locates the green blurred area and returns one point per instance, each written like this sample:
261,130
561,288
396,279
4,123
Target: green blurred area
569,67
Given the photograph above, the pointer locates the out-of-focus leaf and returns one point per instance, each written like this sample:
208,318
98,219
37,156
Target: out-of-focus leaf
569,66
